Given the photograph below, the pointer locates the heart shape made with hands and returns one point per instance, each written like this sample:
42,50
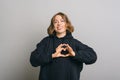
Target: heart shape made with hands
67,50
64,46
63,50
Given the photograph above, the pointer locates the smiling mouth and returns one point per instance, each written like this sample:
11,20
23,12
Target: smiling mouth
59,28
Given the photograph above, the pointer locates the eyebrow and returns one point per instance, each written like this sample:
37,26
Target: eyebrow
57,20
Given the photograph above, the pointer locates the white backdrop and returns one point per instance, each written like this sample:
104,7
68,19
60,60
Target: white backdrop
23,24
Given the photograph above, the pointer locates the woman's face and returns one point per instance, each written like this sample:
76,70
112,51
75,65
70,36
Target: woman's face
59,25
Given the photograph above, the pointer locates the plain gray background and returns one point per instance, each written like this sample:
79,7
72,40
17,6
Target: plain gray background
23,23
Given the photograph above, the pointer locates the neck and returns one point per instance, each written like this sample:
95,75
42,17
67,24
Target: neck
60,35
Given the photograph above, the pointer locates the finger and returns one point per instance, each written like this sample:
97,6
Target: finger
61,55
64,45
64,49
68,45
60,45
67,55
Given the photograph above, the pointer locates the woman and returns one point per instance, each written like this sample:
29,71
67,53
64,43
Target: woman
60,55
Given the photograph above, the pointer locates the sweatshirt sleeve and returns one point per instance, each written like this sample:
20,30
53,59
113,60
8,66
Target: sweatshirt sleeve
40,56
84,53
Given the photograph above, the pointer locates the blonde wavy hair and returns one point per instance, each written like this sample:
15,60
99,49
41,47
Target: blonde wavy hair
69,26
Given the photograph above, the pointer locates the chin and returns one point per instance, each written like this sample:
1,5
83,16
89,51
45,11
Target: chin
60,31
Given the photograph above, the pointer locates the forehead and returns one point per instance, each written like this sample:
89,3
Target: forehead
58,17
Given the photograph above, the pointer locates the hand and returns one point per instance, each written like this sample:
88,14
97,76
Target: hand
63,47
70,50
58,51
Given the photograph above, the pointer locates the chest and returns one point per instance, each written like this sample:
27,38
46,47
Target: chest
57,42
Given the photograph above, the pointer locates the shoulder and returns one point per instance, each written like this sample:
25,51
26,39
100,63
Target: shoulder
44,41
78,43
45,38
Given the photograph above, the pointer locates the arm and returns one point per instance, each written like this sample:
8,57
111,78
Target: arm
84,53
40,56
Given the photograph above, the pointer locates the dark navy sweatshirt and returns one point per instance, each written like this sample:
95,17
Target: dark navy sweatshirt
67,68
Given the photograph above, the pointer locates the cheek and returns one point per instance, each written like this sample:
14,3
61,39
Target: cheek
65,26
54,26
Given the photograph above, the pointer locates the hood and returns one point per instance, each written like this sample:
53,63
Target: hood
67,36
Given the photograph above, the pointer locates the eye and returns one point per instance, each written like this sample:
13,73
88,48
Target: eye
62,20
55,22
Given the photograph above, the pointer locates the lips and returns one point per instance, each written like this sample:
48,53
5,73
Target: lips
60,27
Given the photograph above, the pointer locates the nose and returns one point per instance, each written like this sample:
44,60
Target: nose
59,22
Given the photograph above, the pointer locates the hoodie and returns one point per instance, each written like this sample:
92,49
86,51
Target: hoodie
62,68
